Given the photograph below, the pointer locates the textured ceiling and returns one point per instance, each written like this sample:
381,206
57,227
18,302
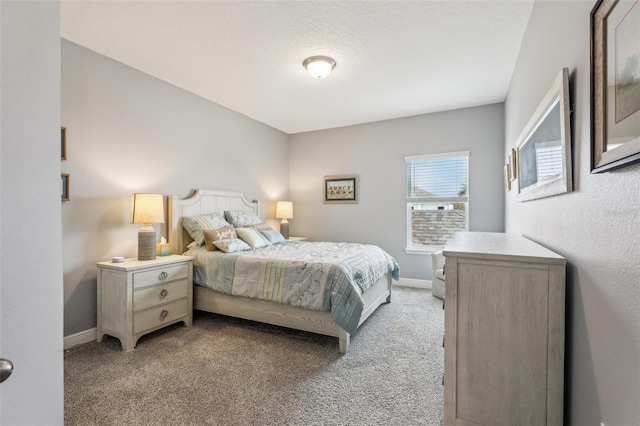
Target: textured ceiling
394,58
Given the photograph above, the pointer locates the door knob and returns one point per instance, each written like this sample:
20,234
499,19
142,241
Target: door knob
6,368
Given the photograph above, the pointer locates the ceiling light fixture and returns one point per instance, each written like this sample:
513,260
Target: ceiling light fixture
319,66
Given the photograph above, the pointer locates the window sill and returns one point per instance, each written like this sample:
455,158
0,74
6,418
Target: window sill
424,251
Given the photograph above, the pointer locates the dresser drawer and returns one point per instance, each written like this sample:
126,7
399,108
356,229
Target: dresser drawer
160,275
143,321
163,293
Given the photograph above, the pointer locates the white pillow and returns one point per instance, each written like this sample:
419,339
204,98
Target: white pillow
252,237
232,245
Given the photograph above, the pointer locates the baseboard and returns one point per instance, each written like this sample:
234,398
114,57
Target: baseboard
91,334
80,338
410,282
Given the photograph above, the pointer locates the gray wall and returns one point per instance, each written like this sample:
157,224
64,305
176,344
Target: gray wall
30,240
376,152
595,227
128,132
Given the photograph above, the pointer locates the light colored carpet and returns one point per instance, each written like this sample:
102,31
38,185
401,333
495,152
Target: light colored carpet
226,371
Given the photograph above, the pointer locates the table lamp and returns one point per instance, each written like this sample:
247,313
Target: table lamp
284,211
147,209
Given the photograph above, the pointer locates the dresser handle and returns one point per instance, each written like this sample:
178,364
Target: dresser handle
164,292
164,314
443,380
163,276
443,340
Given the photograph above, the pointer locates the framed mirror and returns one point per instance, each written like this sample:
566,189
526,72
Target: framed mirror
544,146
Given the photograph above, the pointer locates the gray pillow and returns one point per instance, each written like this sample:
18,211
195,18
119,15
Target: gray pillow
195,225
241,219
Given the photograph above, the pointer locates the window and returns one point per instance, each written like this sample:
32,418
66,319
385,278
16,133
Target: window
437,198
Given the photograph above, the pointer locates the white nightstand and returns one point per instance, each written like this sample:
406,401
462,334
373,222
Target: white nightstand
136,297
297,239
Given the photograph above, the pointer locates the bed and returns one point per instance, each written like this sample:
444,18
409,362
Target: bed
203,202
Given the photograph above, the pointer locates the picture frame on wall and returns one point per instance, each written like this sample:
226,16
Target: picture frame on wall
65,186
615,84
63,143
513,161
340,189
507,177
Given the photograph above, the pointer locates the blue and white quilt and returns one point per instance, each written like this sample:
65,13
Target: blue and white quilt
322,276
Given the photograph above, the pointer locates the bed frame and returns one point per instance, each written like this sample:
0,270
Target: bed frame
205,299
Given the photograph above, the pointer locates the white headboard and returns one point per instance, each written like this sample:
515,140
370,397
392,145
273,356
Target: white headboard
202,201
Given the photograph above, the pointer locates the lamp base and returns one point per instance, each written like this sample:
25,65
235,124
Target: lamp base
146,245
284,229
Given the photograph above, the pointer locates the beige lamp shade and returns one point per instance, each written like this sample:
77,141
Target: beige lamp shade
284,211
147,209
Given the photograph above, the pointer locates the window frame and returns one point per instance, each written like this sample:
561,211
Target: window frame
411,248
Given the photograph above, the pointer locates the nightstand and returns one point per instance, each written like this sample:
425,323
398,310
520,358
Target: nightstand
136,297
297,239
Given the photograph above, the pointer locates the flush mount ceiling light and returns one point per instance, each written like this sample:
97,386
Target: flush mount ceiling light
319,66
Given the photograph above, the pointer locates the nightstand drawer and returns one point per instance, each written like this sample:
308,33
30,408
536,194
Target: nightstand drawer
159,316
164,293
160,275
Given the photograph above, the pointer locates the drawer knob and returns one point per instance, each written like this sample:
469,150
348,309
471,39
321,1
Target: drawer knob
164,292
163,276
164,314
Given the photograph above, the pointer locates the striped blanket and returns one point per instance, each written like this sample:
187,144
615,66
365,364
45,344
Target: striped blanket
321,276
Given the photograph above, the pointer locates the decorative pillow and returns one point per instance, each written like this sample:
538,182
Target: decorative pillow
259,226
195,225
274,237
240,219
231,246
224,233
252,237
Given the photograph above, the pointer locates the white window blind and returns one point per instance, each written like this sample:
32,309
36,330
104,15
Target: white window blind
442,177
548,160
437,199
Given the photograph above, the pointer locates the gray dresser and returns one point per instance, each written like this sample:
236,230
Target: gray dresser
504,331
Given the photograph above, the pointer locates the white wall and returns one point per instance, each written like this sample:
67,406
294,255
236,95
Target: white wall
129,132
595,227
376,152
30,256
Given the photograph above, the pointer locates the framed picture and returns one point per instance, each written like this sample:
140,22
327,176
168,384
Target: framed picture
65,186
63,143
544,146
513,162
340,189
507,177
615,84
